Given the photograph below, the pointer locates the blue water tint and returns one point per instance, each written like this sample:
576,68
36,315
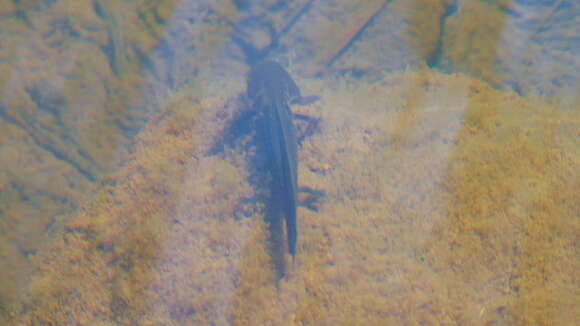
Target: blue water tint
424,171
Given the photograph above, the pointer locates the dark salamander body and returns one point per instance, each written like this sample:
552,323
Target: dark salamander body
271,89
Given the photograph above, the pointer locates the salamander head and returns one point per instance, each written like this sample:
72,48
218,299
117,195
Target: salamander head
269,81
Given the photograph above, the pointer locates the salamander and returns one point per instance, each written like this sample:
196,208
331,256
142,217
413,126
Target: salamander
271,90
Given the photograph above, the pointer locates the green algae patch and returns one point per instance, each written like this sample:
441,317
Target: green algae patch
446,202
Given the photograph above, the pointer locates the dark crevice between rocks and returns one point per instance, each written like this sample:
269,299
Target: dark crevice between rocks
295,19
111,52
49,102
99,9
47,147
434,59
245,32
358,34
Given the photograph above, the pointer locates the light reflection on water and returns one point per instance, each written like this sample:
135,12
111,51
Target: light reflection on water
449,183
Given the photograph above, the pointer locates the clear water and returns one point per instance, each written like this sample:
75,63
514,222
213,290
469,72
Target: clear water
437,172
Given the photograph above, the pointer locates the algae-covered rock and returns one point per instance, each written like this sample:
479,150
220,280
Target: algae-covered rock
446,201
